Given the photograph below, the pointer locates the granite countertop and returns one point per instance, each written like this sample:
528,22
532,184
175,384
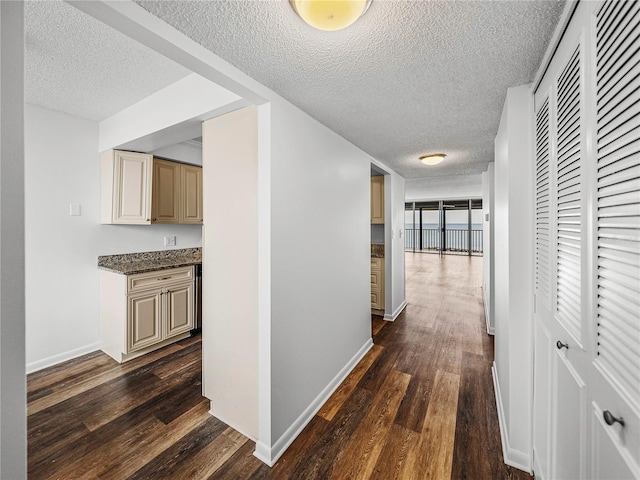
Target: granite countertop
130,263
377,250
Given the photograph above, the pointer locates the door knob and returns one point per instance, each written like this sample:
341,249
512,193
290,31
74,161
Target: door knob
560,345
610,419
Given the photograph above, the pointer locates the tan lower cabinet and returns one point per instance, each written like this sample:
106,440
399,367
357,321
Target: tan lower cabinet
377,285
140,313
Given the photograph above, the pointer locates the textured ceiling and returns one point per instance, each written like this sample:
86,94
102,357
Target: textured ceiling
77,65
410,77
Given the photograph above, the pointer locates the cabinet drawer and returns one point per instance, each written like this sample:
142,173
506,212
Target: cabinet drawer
377,264
144,281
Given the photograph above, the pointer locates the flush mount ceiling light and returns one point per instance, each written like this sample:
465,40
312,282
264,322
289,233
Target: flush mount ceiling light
330,15
433,158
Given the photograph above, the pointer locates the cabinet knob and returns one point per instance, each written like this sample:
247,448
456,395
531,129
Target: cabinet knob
560,345
610,419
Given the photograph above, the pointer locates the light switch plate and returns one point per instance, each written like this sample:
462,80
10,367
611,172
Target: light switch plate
74,209
170,241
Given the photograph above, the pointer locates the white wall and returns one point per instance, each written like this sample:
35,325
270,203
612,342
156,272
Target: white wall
395,298
230,286
513,232
13,435
62,167
320,265
488,247
443,187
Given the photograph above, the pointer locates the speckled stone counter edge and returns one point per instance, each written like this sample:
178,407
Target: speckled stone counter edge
131,263
377,250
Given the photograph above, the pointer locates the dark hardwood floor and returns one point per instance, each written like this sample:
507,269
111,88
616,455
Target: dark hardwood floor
420,405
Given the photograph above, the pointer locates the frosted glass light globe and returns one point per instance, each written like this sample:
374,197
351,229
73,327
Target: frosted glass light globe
330,15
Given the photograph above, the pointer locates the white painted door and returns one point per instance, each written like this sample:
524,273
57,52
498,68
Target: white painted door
561,250
587,320
614,411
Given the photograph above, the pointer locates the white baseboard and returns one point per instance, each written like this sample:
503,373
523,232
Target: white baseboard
61,357
394,315
270,455
213,413
515,458
490,328
538,471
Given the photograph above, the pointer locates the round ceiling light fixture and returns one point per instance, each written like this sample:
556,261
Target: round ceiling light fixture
330,15
432,158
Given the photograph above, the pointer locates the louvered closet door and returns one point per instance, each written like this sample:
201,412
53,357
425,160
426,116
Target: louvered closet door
569,360
543,343
616,278
561,327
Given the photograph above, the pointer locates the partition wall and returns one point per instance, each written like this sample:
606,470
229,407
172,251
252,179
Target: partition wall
444,226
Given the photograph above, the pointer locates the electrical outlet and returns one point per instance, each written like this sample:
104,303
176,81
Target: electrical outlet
170,241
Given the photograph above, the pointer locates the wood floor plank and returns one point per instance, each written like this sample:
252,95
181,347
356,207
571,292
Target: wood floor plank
413,408
432,458
365,445
400,441
204,463
285,467
342,393
377,323
241,465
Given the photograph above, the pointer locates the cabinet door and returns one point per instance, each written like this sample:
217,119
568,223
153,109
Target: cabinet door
191,204
144,314
377,283
166,192
178,309
377,199
131,187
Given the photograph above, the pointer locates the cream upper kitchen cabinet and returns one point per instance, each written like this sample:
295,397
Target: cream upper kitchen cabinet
177,192
165,188
139,189
126,187
377,199
191,194
142,312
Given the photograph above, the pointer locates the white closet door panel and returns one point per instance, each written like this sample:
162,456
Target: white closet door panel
542,401
607,447
570,420
616,379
